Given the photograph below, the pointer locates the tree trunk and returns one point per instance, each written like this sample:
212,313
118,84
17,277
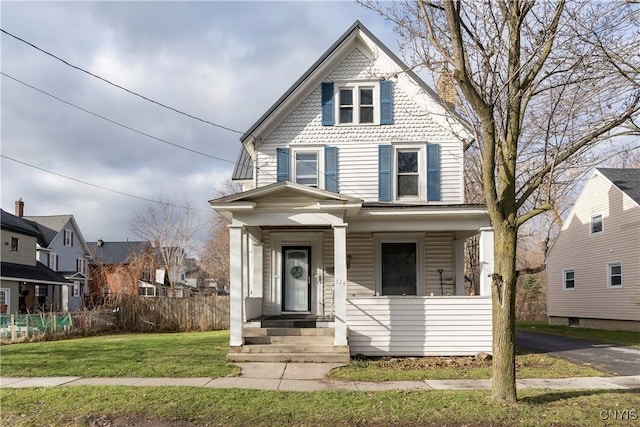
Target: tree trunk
503,289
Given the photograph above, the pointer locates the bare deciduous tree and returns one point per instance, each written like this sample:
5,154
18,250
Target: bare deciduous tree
214,256
171,227
544,85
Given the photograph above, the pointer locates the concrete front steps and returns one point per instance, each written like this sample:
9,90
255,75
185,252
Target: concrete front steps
284,342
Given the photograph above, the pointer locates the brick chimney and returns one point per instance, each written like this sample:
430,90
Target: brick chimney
447,89
19,208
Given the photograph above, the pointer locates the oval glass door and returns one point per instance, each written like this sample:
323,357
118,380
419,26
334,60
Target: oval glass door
296,279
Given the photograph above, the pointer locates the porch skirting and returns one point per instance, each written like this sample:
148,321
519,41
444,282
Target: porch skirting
419,326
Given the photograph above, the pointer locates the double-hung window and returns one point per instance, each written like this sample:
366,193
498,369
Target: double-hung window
76,289
614,275
53,261
569,279
306,168
14,244
408,173
81,266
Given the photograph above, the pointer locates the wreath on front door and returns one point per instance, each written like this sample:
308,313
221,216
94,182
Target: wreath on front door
296,271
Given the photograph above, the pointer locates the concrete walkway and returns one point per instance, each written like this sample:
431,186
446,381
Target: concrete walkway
311,377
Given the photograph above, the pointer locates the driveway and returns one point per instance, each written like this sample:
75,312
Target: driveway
610,358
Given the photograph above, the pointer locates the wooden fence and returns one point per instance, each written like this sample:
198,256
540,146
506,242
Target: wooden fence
126,314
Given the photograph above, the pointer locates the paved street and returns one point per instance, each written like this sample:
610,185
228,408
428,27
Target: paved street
613,359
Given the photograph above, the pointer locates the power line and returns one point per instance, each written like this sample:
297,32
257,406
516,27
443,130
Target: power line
118,86
117,123
93,185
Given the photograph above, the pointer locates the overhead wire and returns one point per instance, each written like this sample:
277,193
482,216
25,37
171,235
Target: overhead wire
119,86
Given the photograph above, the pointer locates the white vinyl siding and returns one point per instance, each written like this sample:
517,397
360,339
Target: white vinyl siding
419,326
589,256
357,145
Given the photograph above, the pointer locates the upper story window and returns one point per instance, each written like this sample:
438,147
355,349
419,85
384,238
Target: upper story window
306,168
68,237
357,103
409,172
53,261
614,275
81,266
316,167
569,279
14,244
597,224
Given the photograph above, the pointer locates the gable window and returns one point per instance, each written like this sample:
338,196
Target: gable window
81,266
399,265
14,244
569,279
357,103
597,225
68,238
614,275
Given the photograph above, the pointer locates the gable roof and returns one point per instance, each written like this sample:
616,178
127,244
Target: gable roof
627,180
116,252
17,224
244,165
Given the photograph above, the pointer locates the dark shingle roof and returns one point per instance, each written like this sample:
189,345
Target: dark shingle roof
17,224
116,252
627,180
38,273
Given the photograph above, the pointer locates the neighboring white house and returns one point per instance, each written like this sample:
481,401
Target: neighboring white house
354,219
593,268
62,248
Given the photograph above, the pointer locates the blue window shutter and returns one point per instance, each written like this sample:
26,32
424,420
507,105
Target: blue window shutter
386,102
433,172
384,173
331,169
282,160
327,104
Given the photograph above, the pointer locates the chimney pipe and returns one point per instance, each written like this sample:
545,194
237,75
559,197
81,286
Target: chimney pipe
19,208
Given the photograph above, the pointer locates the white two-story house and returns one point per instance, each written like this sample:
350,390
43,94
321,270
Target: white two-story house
353,224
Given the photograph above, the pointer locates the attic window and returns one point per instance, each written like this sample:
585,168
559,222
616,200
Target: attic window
68,238
357,103
596,224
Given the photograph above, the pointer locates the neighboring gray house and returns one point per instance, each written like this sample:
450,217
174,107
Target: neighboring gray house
21,274
593,268
62,248
354,220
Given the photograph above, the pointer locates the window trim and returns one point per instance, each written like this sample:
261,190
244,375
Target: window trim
610,275
418,239
601,231
356,86
422,172
564,279
7,297
15,244
75,292
53,259
319,151
81,266
68,237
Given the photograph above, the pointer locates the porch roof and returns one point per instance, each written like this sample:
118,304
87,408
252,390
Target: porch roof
38,273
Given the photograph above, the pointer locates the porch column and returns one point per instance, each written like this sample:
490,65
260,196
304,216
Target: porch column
257,270
458,248
486,260
340,286
236,286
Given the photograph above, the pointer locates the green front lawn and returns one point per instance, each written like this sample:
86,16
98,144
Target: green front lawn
600,335
188,406
194,354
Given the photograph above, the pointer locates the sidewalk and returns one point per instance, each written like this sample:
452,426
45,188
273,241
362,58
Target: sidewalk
310,377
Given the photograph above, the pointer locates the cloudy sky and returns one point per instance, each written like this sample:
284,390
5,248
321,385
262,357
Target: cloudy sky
224,62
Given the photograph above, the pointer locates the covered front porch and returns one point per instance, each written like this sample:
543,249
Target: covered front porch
377,279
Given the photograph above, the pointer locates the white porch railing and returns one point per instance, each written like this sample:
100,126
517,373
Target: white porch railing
419,326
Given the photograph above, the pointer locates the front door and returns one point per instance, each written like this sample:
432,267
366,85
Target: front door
296,278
